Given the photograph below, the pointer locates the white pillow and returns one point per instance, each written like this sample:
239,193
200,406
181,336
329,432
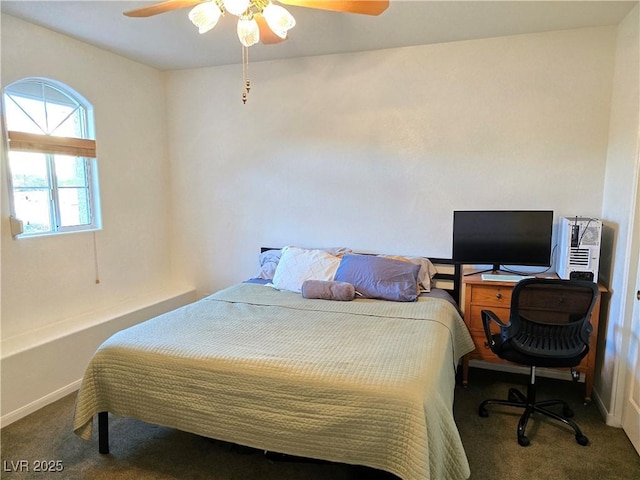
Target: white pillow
299,264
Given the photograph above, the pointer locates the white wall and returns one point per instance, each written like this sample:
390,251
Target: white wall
375,150
620,195
48,283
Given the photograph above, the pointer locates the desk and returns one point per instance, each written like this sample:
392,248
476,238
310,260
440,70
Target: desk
496,296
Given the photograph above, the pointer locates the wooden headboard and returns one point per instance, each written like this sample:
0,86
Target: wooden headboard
448,276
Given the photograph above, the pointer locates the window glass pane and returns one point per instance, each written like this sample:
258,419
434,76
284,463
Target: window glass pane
33,208
65,122
27,88
71,171
74,206
28,169
35,107
63,114
24,114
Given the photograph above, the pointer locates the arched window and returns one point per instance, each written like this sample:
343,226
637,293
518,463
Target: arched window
52,158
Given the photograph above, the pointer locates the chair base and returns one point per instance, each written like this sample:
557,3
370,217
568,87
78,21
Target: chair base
528,402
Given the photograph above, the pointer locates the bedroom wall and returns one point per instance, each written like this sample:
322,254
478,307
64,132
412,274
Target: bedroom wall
375,150
54,314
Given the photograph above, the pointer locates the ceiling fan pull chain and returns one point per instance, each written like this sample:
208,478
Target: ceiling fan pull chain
245,73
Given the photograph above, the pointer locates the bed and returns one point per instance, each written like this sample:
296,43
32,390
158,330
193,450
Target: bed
365,382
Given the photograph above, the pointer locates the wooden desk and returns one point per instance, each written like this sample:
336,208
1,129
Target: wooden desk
496,296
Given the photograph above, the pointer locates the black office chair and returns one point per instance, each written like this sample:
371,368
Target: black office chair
548,327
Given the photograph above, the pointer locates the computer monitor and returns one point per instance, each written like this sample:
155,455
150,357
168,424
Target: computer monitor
502,237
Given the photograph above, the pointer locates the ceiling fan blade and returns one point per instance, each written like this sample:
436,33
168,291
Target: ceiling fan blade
266,34
161,8
366,7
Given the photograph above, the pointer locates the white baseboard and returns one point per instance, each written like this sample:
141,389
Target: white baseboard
609,418
39,403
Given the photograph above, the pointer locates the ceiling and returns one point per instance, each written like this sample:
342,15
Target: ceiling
170,42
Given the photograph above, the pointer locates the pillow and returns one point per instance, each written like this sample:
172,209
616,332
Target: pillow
426,273
328,290
268,262
379,277
299,264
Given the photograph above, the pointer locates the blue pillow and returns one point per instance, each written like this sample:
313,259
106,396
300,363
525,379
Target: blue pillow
379,277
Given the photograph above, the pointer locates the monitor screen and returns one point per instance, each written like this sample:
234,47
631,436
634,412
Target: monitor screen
500,237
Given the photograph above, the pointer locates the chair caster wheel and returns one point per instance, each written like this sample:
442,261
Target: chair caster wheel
567,412
523,441
582,440
483,412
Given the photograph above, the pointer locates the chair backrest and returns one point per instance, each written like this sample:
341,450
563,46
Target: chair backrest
550,317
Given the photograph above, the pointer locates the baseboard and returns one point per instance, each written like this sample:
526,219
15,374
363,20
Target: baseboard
39,370
609,418
39,403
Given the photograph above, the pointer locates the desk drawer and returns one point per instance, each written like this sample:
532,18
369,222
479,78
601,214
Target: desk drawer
482,349
491,296
475,319
549,298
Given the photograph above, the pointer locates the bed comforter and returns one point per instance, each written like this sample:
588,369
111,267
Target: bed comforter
366,382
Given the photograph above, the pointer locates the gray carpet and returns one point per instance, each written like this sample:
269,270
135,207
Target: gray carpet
140,451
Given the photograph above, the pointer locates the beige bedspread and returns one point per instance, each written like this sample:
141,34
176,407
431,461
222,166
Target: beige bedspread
366,382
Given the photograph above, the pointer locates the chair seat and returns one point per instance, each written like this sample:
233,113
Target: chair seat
506,351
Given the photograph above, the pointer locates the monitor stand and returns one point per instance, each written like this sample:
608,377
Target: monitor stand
496,268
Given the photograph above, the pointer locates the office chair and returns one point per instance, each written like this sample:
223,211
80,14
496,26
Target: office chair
548,327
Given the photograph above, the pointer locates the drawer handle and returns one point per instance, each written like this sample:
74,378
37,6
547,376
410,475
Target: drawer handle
498,296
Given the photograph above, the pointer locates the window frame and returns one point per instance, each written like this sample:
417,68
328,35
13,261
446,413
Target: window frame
49,146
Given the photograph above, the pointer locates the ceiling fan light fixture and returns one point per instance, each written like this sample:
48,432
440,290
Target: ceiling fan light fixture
280,21
258,20
205,16
236,7
248,31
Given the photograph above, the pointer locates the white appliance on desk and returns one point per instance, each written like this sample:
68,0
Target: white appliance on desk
579,248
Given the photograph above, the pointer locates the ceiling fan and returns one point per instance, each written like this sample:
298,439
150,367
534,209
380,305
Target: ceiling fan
258,20
206,13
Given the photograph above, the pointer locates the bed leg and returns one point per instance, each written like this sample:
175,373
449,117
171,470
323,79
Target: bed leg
103,432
